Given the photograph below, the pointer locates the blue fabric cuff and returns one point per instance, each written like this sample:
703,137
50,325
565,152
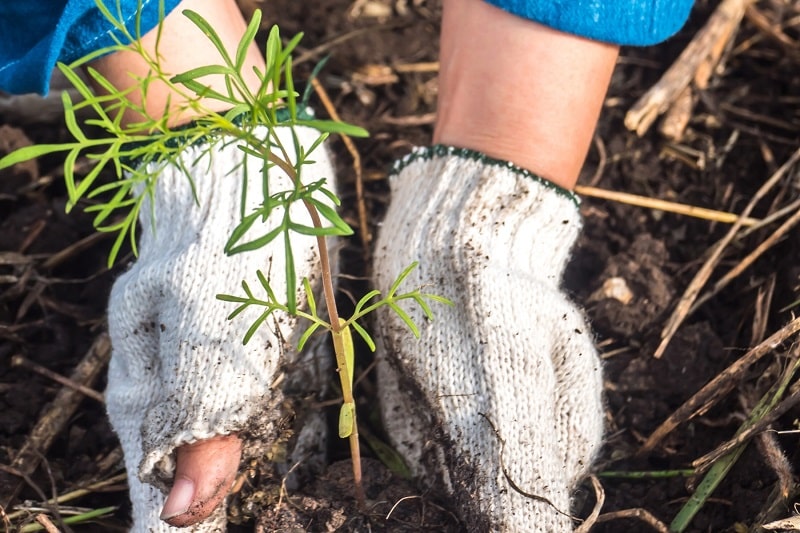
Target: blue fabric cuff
35,35
624,22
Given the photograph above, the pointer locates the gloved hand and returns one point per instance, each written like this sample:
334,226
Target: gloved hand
511,361
179,371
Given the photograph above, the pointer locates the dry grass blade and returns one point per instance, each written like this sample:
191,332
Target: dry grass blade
786,524
425,66
663,205
600,500
693,290
410,120
706,45
762,306
46,523
703,463
769,219
75,494
363,226
751,258
640,514
57,415
714,390
720,469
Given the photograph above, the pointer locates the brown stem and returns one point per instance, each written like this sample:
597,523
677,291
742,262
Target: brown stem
355,455
336,329
347,395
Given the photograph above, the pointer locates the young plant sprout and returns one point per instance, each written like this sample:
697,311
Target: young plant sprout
136,153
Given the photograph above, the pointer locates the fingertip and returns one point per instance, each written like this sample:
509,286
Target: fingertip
180,498
204,473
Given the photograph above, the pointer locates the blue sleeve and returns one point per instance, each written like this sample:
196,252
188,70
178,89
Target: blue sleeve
35,35
624,22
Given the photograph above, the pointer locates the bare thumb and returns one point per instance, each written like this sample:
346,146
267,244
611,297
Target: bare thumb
204,473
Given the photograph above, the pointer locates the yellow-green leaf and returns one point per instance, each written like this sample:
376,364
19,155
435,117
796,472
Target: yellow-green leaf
349,351
346,419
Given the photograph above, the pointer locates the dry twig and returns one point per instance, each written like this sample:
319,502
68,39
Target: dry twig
56,416
600,500
641,514
703,52
46,523
693,290
363,225
766,27
704,462
714,390
19,360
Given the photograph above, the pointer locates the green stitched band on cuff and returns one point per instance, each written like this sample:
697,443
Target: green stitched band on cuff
442,150
282,115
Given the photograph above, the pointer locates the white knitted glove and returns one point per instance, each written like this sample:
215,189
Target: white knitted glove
513,350
179,371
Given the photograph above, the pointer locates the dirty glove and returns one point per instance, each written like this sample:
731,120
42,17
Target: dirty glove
507,380
179,372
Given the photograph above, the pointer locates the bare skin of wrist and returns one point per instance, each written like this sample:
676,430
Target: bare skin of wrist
519,91
182,46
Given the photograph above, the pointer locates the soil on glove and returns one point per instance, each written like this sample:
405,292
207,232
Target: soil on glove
630,268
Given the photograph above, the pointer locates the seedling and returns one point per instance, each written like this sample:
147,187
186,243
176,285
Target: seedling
138,152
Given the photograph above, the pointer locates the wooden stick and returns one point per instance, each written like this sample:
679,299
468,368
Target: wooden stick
706,45
677,117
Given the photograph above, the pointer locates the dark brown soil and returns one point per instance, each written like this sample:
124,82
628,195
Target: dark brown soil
745,125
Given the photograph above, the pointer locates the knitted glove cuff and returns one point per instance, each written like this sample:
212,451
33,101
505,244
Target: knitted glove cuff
487,202
427,153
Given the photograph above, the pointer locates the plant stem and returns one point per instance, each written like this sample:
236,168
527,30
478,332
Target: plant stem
336,327
355,454
336,331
